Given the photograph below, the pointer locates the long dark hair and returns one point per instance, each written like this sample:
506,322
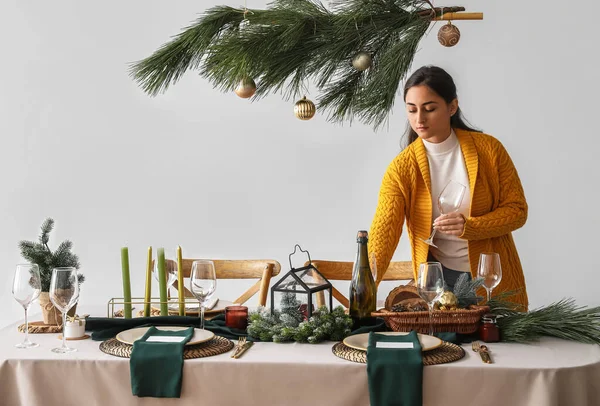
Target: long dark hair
442,83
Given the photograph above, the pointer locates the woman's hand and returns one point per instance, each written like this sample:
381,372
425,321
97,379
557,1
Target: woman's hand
453,223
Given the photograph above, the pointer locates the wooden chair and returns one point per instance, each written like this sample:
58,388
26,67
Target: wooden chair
342,271
263,269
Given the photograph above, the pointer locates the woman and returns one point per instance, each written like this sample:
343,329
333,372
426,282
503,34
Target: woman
442,148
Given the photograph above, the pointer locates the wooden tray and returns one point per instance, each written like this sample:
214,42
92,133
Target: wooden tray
39,327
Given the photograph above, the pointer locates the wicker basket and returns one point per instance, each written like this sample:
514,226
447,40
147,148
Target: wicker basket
464,321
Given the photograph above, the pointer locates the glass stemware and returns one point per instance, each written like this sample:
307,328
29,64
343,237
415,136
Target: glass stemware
430,286
64,293
203,282
449,201
170,272
25,289
490,270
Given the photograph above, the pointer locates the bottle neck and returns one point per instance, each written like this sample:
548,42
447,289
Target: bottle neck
362,268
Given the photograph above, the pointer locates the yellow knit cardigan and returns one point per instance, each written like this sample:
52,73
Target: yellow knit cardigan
497,208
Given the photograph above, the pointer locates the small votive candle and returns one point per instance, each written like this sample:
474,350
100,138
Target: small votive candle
236,317
75,329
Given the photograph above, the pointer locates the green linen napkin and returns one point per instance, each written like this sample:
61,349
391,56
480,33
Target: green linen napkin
378,325
155,366
103,328
456,338
395,374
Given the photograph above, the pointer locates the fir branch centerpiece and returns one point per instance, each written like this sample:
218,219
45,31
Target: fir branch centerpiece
39,252
287,324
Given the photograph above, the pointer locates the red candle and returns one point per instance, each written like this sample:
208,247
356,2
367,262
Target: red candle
236,317
488,330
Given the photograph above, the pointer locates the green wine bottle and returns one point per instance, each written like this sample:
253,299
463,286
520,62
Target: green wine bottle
363,291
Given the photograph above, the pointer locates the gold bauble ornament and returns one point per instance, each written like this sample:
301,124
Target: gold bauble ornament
362,61
246,88
448,301
304,109
448,35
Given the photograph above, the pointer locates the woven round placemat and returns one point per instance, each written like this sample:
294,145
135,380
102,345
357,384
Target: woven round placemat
216,346
448,352
38,327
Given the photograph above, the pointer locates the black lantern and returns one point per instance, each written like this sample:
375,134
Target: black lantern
303,287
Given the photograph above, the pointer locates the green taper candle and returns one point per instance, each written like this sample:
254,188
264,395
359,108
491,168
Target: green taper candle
126,282
148,293
180,288
162,282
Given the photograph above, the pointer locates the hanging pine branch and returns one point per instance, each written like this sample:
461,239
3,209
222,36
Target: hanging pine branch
294,42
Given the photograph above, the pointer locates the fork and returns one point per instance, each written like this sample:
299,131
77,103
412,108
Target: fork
483,351
241,344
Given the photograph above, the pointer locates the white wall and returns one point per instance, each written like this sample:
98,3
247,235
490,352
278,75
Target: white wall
227,178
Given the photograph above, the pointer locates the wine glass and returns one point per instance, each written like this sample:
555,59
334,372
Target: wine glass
64,293
449,201
430,286
490,270
203,282
25,289
170,271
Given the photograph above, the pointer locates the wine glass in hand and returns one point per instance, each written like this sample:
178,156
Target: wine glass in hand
25,289
203,282
430,286
64,293
490,270
449,201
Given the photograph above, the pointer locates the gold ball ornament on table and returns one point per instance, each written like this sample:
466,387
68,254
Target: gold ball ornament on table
449,35
448,301
246,88
362,61
305,109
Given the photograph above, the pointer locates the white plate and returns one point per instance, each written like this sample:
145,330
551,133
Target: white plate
134,334
361,341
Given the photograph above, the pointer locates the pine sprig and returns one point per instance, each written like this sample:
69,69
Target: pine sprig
40,253
465,290
47,227
563,319
294,42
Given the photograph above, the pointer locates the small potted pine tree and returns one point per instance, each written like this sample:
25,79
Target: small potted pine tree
40,253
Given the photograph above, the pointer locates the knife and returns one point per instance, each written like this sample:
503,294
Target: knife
485,355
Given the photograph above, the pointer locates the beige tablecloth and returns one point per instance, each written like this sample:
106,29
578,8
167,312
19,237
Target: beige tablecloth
552,372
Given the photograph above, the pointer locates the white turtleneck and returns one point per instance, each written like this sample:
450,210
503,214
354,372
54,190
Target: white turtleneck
446,163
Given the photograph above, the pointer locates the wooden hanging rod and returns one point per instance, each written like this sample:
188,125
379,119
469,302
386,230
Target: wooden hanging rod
459,16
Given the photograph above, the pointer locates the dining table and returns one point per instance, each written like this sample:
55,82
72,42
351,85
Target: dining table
550,372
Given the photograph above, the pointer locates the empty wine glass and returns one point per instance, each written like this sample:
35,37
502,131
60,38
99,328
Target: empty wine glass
449,201
490,270
203,282
430,286
25,289
64,293
170,272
